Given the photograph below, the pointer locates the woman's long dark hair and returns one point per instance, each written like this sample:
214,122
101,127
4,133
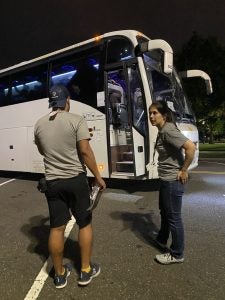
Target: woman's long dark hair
164,110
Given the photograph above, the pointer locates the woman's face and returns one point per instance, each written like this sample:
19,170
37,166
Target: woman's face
156,118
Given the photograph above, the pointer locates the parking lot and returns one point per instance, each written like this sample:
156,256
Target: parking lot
125,216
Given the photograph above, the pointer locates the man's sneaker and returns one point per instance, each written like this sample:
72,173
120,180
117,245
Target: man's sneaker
85,278
167,259
61,280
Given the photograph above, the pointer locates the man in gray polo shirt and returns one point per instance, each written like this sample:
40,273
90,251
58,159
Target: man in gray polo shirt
63,140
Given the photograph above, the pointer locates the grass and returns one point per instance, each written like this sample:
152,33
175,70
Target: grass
216,150
212,147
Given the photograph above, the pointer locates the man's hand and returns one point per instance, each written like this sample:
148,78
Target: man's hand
89,159
101,183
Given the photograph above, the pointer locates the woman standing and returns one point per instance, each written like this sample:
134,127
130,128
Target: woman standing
173,174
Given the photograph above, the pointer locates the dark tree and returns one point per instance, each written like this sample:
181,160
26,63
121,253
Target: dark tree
206,54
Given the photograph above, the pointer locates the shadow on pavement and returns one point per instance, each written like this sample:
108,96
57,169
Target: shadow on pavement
21,175
140,224
38,231
132,186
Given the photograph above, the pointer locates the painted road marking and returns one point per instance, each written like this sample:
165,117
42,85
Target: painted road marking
213,162
122,197
43,274
8,181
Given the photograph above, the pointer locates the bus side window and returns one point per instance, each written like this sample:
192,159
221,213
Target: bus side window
84,82
137,101
117,89
62,73
4,92
119,49
166,88
80,76
29,85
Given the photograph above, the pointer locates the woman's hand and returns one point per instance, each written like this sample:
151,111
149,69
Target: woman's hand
183,176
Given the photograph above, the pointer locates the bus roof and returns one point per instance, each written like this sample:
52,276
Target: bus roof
131,34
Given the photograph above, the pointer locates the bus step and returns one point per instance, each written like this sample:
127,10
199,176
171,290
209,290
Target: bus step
128,156
122,175
125,166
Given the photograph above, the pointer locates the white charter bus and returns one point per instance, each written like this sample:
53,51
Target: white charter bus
112,79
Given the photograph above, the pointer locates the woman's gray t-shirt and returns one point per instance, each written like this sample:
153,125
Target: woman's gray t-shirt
169,147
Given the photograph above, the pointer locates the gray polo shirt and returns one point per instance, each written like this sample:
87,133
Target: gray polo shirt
58,139
169,146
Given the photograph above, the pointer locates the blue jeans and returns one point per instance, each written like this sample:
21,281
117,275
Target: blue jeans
170,203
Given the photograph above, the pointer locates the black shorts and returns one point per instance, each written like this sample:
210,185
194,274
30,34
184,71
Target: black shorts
66,196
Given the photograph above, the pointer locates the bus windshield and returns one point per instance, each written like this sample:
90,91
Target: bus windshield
168,88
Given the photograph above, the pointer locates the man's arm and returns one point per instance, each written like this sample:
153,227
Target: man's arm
189,148
89,160
38,146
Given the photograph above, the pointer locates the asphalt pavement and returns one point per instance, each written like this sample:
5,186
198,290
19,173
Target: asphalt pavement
123,221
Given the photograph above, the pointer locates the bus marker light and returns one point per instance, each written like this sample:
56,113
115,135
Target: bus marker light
101,167
139,34
97,38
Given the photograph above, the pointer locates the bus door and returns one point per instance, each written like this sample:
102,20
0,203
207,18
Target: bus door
125,122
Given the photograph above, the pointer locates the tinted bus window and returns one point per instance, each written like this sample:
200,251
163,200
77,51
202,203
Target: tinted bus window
137,101
82,76
29,85
167,88
119,49
4,91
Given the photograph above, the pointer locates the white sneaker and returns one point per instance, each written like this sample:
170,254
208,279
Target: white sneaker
167,259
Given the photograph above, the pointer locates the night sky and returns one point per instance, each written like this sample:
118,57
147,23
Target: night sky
30,29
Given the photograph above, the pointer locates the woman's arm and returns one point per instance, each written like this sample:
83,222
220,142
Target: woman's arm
189,149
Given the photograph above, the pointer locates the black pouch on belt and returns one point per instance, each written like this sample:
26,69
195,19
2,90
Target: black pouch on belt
42,185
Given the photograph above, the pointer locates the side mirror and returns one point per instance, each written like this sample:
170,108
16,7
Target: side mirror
199,73
168,53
